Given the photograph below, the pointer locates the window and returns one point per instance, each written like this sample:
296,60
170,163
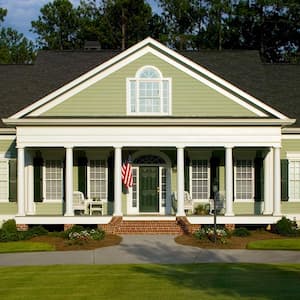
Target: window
294,179
53,180
149,93
199,179
97,179
244,179
4,180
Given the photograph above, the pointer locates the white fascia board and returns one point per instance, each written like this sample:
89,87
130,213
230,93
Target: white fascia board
146,122
220,80
7,131
72,88
127,61
293,130
80,79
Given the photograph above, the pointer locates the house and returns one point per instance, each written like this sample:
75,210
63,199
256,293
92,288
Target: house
188,121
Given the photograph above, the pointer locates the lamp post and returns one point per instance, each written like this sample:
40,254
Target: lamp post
215,189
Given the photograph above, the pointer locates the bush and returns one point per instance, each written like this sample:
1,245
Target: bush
202,209
242,231
286,227
32,232
9,231
79,233
207,232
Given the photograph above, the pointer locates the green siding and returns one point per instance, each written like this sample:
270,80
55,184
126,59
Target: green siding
290,207
289,145
8,147
190,97
8,208
49,209
248,208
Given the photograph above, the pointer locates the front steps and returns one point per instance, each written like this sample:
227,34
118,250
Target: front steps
177,226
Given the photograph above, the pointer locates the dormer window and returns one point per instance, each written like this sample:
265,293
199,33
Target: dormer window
149,93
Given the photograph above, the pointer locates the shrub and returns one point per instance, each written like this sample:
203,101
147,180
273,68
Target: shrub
209,233
9,231
286,227
242,231
79,233
202,209
32,232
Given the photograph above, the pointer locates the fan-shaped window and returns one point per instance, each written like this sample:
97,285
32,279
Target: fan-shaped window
149,92
149,159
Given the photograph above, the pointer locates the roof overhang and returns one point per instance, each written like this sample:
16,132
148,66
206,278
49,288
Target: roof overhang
147,122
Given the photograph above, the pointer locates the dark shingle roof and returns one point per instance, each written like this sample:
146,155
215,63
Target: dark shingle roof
276,85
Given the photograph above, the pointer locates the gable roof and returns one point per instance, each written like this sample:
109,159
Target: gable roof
22,85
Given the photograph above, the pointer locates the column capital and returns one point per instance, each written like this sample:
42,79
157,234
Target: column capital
69,147
228,146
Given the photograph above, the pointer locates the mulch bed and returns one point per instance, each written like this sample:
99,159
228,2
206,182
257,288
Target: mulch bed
233,242
65,245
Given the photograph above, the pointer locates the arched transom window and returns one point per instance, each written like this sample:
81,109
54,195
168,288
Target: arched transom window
149,93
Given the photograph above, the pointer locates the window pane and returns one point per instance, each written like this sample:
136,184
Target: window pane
244,179
199,179
294,180
54,180
98,179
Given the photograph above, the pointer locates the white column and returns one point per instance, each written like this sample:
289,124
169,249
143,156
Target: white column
69,182
21,181
30,183
118,182
228,182
277,183
268,205
180,182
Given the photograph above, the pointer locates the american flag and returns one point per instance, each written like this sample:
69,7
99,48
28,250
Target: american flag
127,174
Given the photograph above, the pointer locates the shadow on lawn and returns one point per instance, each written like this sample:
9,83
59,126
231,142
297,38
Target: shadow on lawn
236,281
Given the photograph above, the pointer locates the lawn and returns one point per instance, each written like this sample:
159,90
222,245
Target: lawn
194,281
24,246
282,244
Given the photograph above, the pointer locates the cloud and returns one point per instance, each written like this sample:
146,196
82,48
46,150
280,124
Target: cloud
22,12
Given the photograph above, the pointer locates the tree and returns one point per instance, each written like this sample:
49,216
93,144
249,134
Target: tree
57,26
179,17
14,47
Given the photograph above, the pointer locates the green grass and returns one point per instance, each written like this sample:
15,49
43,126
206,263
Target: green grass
22,246
193,281
280,244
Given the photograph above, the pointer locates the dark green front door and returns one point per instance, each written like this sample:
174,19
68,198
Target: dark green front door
148,189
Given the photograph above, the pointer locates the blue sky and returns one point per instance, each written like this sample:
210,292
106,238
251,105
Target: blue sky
22,12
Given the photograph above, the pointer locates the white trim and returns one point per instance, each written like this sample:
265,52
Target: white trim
187,121
290,136
7,137
71,89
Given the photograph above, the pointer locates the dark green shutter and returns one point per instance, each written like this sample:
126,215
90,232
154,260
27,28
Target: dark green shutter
12,180
259,179
82,176
187,174
284,179
38,179
214,173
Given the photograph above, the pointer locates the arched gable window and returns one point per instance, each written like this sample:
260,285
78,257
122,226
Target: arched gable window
149,93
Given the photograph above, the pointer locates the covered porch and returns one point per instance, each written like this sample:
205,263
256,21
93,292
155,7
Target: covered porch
167,162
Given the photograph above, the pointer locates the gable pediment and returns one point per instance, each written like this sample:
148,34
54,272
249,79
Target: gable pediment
103,92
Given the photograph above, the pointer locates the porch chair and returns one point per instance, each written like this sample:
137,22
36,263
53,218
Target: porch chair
78,202
220,204
188,202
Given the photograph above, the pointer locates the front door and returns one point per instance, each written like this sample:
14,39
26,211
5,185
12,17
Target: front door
148,189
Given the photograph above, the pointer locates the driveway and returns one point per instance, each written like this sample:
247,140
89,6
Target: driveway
140,249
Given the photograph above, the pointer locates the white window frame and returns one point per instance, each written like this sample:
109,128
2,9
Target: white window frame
253,179
137,79
201,158
45,199
89,178
5,161
292,157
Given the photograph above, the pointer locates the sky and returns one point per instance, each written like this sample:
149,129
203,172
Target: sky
22,12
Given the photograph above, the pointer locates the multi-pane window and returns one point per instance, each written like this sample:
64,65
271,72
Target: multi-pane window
163,186
4,180
53,180
244,179
294,179
134,187
149,93
97,178
200,179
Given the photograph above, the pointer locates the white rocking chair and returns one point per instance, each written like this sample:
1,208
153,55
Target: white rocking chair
78,202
